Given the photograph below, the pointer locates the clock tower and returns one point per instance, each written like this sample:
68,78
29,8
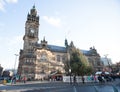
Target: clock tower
27,58
31,30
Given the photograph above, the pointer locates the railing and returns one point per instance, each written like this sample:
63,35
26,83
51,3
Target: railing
86,79
79,79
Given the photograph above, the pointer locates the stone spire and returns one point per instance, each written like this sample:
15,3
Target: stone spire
66,42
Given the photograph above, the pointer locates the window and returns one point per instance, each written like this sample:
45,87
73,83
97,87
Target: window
25,70
98,63
63,58
58,58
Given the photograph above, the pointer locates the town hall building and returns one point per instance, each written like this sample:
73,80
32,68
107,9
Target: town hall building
38,60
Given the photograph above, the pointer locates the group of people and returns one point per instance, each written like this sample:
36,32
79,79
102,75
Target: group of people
14,79
75,80
105,78
91,78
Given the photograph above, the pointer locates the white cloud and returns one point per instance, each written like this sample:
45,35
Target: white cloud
11,1
53,21
4,2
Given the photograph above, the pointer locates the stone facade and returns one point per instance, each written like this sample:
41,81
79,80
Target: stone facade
94,59
38,60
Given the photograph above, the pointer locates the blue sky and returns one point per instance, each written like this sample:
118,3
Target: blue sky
85,22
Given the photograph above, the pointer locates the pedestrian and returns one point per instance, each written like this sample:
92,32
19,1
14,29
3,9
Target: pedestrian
83,79
74,79
11,80
14,79
24,79
95,78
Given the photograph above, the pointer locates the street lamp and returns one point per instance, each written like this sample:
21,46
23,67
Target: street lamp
110,68
70,75
15,61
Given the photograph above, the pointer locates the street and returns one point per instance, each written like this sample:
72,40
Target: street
60,87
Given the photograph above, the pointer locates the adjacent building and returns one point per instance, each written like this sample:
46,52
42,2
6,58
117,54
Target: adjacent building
1,70
106,61
116,68
94,58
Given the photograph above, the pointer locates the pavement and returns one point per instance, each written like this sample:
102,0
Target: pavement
56,86
87,83
116,82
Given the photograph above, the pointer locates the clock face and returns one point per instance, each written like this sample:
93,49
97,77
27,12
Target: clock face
32,31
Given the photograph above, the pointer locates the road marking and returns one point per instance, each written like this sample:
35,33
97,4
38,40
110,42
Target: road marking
74,89
96,90
31,88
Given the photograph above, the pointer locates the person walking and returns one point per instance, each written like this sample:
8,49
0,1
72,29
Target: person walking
13,80
24,79
83,79
74,79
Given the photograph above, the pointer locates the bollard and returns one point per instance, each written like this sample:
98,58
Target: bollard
114,88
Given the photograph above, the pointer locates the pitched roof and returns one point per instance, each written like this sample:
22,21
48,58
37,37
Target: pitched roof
85,52
57,48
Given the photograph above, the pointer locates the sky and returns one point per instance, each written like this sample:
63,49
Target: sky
87,23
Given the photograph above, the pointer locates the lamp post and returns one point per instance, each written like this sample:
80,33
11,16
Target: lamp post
70,75
110,68
15,61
